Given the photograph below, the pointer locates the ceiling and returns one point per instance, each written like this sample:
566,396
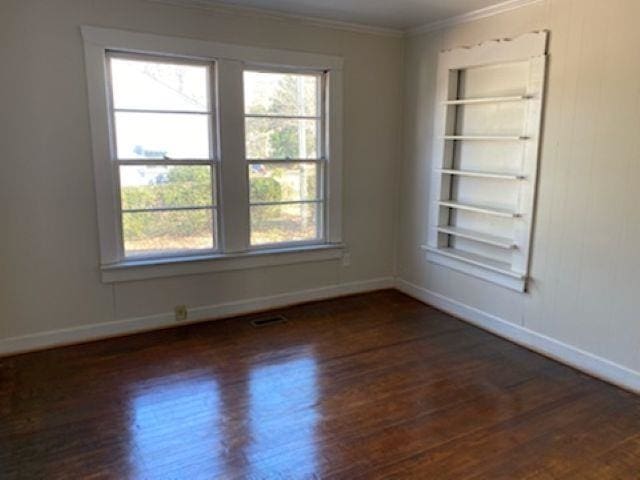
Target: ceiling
395,14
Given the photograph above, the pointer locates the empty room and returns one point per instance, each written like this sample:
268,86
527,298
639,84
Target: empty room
319,239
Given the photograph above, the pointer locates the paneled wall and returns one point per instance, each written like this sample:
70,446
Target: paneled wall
585,289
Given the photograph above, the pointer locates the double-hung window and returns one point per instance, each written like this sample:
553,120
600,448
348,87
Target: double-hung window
284,137
223,155
164,147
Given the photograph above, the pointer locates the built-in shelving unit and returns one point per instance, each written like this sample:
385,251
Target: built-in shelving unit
485,158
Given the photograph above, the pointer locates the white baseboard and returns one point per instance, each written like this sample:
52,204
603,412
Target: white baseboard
67,336
587,362
574,357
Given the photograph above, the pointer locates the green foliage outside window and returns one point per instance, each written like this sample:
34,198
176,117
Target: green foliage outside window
190,186
180,186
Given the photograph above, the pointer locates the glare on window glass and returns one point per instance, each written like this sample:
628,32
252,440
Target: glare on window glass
161,109
162,135
267,93
148,85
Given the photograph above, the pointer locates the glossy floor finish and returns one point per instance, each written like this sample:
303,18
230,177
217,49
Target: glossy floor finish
370,386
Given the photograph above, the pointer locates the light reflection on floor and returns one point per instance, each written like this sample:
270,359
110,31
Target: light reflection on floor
174,420
283,416
168,418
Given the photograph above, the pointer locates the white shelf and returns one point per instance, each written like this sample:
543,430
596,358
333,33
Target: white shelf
486,137
499,212
473,101
477,260
473,173
500,242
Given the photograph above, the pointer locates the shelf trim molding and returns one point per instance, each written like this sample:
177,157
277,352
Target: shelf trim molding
481,100
488,263
498,212
505,278
496,138
475,173
494,240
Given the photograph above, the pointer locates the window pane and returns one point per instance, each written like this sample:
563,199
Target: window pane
148,233
286,182
148,85
281,138
284,223
156,135
161,187
281,94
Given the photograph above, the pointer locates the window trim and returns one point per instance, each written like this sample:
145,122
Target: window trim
233,216
141,269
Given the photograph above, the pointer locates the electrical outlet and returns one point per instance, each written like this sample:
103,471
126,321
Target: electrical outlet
346,259
181,312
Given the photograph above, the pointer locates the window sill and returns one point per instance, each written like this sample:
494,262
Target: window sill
133,270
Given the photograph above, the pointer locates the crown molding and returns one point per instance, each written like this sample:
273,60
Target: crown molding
213,5
282,16
490,11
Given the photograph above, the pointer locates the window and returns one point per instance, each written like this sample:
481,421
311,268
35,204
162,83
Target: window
164,136
284,134
220,155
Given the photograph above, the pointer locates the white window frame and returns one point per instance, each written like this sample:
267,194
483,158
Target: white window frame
234,251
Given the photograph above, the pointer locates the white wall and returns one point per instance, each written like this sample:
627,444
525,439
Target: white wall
587,229
49,277
585,259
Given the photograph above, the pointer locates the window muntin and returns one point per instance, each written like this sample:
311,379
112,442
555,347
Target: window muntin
163,150
284,145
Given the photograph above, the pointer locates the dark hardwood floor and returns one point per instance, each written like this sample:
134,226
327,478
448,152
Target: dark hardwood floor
369,386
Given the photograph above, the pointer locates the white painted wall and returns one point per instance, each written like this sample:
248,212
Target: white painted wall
49,278
585,261
585,287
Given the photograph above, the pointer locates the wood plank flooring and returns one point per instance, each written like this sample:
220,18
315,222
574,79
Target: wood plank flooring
369,386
